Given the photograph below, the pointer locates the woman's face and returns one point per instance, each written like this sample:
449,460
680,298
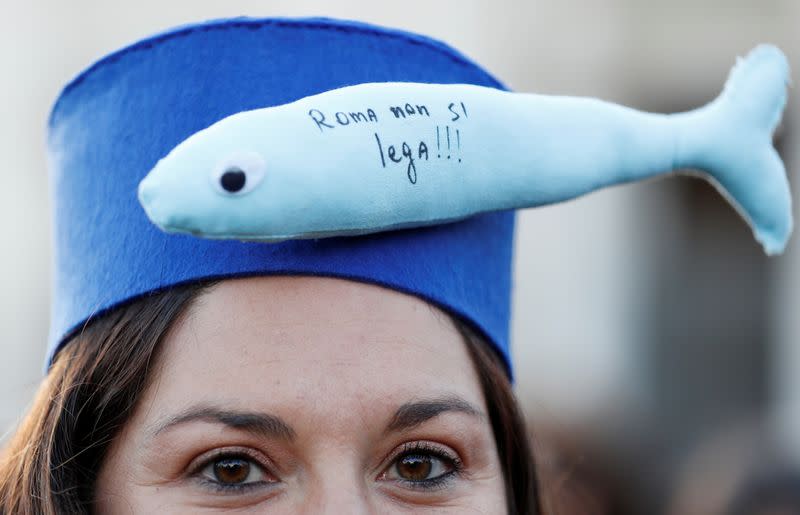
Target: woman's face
307,395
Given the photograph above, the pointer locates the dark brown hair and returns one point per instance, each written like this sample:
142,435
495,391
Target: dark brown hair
508,425
50,464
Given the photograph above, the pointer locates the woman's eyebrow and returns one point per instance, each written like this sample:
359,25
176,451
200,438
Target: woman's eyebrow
262,424
414,413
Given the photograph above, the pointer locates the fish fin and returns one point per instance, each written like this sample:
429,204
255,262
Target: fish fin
757,86
738,150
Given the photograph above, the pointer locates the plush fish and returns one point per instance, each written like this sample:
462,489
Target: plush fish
382,156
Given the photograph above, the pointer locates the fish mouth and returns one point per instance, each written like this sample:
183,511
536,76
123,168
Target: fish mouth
148,198
159,211
146,193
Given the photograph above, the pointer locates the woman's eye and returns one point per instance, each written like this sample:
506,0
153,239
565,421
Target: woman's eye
234,471
420,467
423,467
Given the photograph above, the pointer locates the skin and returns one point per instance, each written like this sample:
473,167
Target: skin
307,395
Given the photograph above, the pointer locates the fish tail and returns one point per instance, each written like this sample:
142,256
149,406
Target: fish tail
736,145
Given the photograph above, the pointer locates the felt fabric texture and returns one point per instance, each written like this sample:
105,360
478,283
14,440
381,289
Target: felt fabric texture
381,156
115,120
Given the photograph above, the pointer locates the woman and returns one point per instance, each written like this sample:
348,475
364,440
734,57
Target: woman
364,374
349,375
286,394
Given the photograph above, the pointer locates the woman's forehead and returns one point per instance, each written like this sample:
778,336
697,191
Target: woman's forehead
350,345
313,300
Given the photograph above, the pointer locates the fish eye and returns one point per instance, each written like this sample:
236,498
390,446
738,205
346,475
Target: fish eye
233,179
238,174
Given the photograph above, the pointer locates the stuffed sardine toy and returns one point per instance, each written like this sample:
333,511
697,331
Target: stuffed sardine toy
382,156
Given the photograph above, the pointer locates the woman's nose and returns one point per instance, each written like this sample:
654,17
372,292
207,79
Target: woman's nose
353,500
338,492
335,482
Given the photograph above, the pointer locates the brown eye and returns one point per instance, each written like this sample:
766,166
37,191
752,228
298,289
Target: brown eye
414,467
423,465
234,471
231,471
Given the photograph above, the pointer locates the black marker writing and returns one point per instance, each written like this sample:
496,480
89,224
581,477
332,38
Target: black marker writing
380,150
358,116
408,109
404,152
455,113
342,118
319,119
448,140
346,118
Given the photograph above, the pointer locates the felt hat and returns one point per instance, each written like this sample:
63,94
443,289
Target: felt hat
115,120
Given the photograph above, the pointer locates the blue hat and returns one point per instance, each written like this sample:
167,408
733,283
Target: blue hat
115,120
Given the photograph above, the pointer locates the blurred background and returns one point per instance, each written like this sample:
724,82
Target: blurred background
656,347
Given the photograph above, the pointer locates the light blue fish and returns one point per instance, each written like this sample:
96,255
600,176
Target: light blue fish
381,156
